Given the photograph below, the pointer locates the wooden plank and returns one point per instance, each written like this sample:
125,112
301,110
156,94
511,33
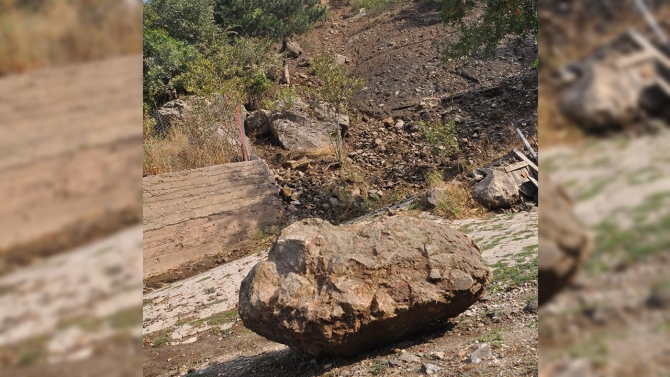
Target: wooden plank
515,166
534,181
210,210
70,157
523,157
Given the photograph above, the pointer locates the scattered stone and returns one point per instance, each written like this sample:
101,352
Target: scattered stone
291,208
395,363
286,192
497,190
437,355
399,124
531,306
301,164
334,202
361,303
435,274
293,50
388,122
430,368
409,357
375,194
433,197
479,352
341,59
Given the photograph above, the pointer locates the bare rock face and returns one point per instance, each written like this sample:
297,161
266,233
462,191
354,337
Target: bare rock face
305,129
497,190
169,114
330,290
564,242
258,122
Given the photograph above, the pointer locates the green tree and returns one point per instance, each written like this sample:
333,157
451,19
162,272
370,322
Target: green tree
191,21
500,19
275,19
164,60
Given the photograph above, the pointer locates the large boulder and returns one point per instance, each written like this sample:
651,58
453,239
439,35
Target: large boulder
258,122
170,114
497,190
302,129
330,290
564,241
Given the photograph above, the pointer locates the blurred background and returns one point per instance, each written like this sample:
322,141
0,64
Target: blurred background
70,187
604,264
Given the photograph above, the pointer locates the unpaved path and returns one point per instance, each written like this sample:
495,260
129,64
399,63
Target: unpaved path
57,310
185,318
615,321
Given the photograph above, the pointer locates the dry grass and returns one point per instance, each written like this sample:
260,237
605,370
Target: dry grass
58,32
205,137
457,203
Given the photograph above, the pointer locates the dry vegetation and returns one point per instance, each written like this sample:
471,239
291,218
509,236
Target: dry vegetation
43,33
205,137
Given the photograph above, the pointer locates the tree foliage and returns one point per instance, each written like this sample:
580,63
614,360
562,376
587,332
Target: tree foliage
165,59
191,21
274,19
500,19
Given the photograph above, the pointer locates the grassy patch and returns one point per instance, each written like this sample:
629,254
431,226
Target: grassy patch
158,338
203,279
629,245
433,178
216,319
494,338
520,273
596,188
379,367
596,351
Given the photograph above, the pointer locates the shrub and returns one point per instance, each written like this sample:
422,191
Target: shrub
191,21
276,19
165,59
336,87
440,137
500,18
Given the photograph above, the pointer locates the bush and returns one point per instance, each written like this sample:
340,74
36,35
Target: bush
336,87
500,18
440,137
191,21
165,59
276,19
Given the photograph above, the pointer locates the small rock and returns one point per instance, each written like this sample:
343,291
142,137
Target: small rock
291,208
399,124
481,351
334,202
378,142
660,297
430,368
325,206
435,274
375,194
388,122
437,355
531,306
409,357
395,363
286,192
